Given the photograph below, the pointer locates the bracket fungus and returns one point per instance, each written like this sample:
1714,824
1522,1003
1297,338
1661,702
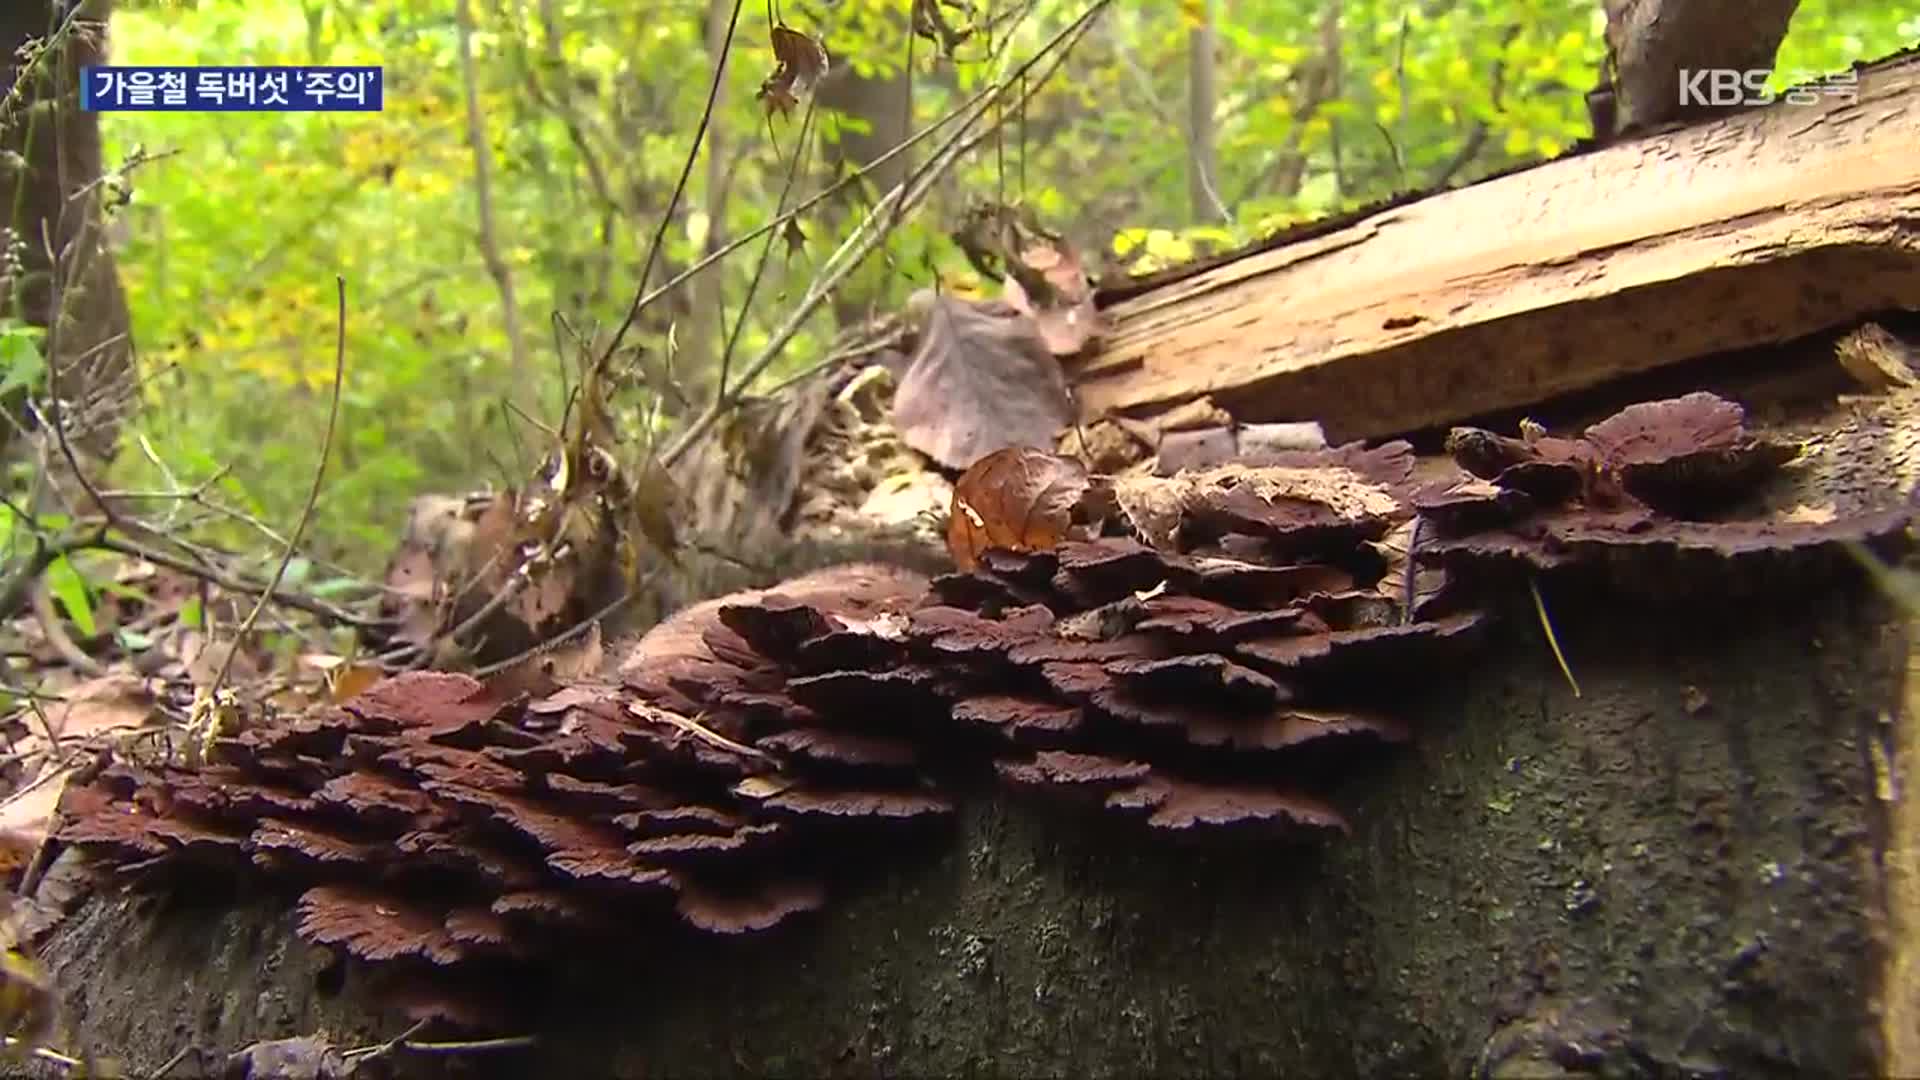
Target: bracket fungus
1173,652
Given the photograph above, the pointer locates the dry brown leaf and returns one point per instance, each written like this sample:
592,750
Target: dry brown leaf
1064,313
110,702
26,816
795,237
545,597
352,680
800,62
931,23
762,787
653,502
116,701
982,380
1020,498
1155,506
205,663
579,658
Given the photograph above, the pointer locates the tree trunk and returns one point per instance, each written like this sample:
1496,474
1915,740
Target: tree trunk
1203,179
53,207
880,105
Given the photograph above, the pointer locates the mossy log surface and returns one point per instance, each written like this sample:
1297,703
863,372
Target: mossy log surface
1678,872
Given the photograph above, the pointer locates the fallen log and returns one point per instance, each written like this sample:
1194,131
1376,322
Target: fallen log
1758,228
1166,861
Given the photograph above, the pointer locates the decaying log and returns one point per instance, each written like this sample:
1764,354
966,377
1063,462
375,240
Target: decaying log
1208,738
1673,873
1756,228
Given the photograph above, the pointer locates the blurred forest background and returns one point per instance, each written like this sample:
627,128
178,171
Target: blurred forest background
1174,128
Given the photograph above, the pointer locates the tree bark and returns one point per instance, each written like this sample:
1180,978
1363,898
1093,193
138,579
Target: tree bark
882,106
1203,178
52,204
1751,230
1652,44
486,226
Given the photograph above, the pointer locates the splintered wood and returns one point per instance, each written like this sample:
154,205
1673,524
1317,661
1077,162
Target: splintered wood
1758,228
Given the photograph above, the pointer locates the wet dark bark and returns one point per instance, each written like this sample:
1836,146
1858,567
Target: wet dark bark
1679,871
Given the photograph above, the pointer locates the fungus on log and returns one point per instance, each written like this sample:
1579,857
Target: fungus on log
1177,659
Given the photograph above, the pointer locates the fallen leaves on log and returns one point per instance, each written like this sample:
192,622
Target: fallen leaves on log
981,380
1017,499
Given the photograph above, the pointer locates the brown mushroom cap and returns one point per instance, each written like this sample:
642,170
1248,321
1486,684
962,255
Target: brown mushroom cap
1190,808
746,911
373,925
1059,770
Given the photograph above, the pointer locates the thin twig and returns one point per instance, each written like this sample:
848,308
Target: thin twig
168,1066
562,637
1540,609
375,1053
766,251
679,190
854,177
694,727
215,576
313,493
472,1046
875,228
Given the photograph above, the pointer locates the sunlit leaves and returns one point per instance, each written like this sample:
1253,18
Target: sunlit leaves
231,245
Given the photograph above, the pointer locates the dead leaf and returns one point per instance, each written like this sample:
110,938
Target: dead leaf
795,236
116,701
931,23
1063,310
1020,498
545,597
577,659
26,816
110,702
981,380
762,787
207,661
1877,358
653,503
800,62
352,680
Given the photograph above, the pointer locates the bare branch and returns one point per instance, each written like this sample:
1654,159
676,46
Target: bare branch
881,220
313,494
679,190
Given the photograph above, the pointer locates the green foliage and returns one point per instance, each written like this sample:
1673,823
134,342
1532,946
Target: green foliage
233,239
22,367
70,590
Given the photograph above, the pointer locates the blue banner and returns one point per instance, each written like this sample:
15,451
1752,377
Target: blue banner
230,89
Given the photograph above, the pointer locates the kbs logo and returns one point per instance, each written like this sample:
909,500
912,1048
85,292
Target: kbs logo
1723,87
